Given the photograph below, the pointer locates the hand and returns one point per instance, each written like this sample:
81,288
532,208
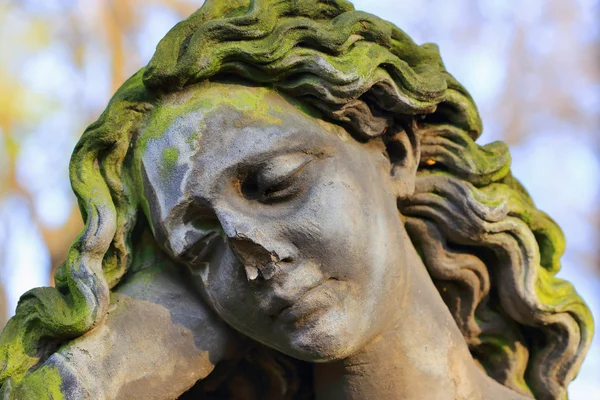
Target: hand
54,380
158,340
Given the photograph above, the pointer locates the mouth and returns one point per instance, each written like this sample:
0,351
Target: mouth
313,302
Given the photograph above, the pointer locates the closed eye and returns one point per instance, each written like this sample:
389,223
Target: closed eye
203,234
285,188
276,179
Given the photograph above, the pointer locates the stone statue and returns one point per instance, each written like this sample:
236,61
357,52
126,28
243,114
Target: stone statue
288,203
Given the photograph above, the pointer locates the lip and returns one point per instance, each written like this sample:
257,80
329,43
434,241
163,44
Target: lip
303,306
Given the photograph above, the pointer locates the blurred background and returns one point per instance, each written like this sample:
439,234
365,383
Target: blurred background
532,66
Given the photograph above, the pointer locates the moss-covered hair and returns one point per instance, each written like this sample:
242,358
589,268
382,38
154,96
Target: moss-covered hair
490,252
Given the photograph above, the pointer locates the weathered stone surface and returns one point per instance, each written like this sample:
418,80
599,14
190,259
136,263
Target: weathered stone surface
289,202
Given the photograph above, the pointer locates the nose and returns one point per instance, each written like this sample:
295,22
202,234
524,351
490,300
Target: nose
261,255
258,261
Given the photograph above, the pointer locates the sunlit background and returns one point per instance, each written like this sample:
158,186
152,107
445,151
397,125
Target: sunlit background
533,67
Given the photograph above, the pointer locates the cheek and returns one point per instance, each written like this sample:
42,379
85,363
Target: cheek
225,288
345,226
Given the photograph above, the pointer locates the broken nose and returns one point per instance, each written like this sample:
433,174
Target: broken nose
258,261
265,272
251,272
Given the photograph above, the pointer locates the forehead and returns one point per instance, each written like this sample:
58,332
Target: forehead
192,137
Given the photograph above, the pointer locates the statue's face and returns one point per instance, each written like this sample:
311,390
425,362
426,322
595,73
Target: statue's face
289,226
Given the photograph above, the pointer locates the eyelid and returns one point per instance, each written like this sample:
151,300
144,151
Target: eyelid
202,227
281,168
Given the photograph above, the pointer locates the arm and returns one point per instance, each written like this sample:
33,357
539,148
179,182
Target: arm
158,339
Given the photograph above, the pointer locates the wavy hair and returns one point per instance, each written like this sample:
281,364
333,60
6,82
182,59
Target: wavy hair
491,253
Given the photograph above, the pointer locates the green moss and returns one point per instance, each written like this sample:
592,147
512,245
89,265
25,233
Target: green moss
206,97
170,156
194,137
43,384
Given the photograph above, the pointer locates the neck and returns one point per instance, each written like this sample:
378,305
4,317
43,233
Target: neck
422,355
